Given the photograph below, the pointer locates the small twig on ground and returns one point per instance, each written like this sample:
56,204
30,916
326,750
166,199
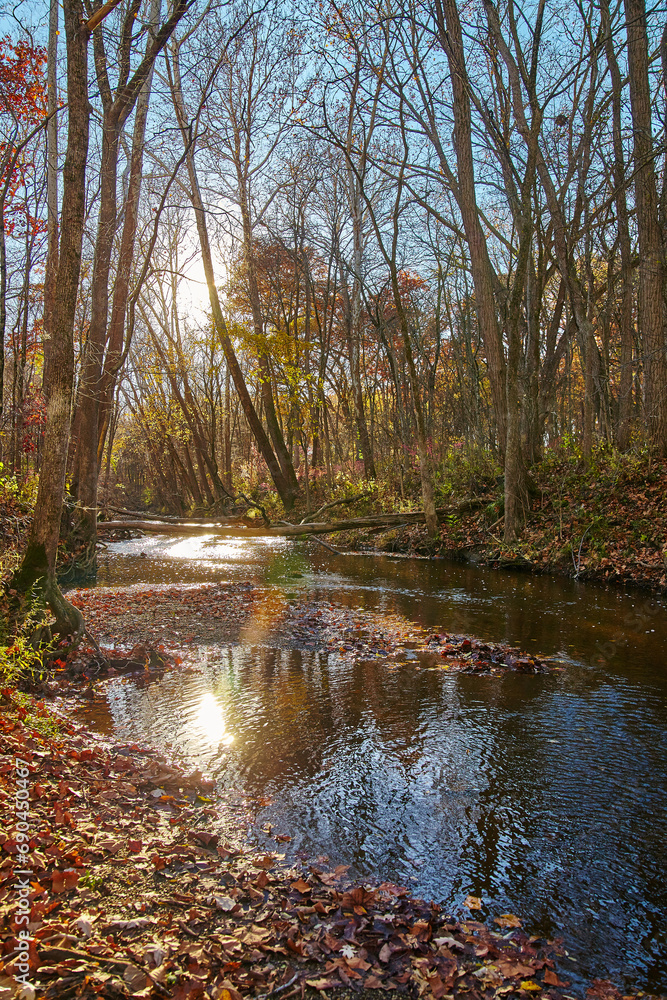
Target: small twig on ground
186,930
577,565
279,989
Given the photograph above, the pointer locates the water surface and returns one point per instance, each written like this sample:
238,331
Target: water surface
543,795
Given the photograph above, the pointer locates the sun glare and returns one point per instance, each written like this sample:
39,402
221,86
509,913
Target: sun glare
210,721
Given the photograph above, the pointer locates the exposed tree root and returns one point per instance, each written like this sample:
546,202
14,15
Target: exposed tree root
81,566
35,587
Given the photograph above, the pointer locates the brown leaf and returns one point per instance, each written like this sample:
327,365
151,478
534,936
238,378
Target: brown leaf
64,881
358,897
511,969
438,988
507,920
602,989
551,979
301,887
267,861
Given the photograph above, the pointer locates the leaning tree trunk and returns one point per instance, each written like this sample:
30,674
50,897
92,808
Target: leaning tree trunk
222,332
266,389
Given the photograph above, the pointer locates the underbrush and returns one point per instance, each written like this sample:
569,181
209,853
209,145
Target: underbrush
604,518
465,473
21,655
17,502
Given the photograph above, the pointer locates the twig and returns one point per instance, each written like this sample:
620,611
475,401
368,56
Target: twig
117,964
279,989
186,930
326,545
256,506
577,565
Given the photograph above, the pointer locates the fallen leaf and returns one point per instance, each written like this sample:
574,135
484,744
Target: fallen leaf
63,881
551,979
134,977
301,887
224,903
507,920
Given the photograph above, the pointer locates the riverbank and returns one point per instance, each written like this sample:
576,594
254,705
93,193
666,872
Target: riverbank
604,522
139,885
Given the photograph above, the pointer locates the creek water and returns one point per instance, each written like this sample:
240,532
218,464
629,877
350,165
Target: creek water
543,795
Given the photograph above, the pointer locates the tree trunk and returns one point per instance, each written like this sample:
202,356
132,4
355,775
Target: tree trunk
51,184
91,369
354,332
117,106
114,353
482,272
650,302
40,557
623,426
263,443
266,387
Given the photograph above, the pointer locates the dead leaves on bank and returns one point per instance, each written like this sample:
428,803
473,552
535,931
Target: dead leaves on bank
137,894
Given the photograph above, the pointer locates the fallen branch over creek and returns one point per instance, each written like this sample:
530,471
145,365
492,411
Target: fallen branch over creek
234,529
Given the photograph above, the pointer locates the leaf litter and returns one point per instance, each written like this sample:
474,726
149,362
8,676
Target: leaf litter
177,617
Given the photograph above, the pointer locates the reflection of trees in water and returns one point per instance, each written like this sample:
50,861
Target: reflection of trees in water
541,794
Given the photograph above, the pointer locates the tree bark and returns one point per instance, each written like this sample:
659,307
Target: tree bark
114,351
51,184
39,560
451,39
117,107
651,305
266,388
623,425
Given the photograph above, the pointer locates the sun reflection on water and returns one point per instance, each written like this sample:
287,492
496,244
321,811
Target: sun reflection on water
210,721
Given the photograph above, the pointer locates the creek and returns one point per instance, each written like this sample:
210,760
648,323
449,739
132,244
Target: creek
543,795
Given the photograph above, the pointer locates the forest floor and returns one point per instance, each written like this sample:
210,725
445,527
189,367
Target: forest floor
606,522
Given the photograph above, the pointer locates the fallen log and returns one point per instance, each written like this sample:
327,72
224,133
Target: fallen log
167,527
226,530
138,515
